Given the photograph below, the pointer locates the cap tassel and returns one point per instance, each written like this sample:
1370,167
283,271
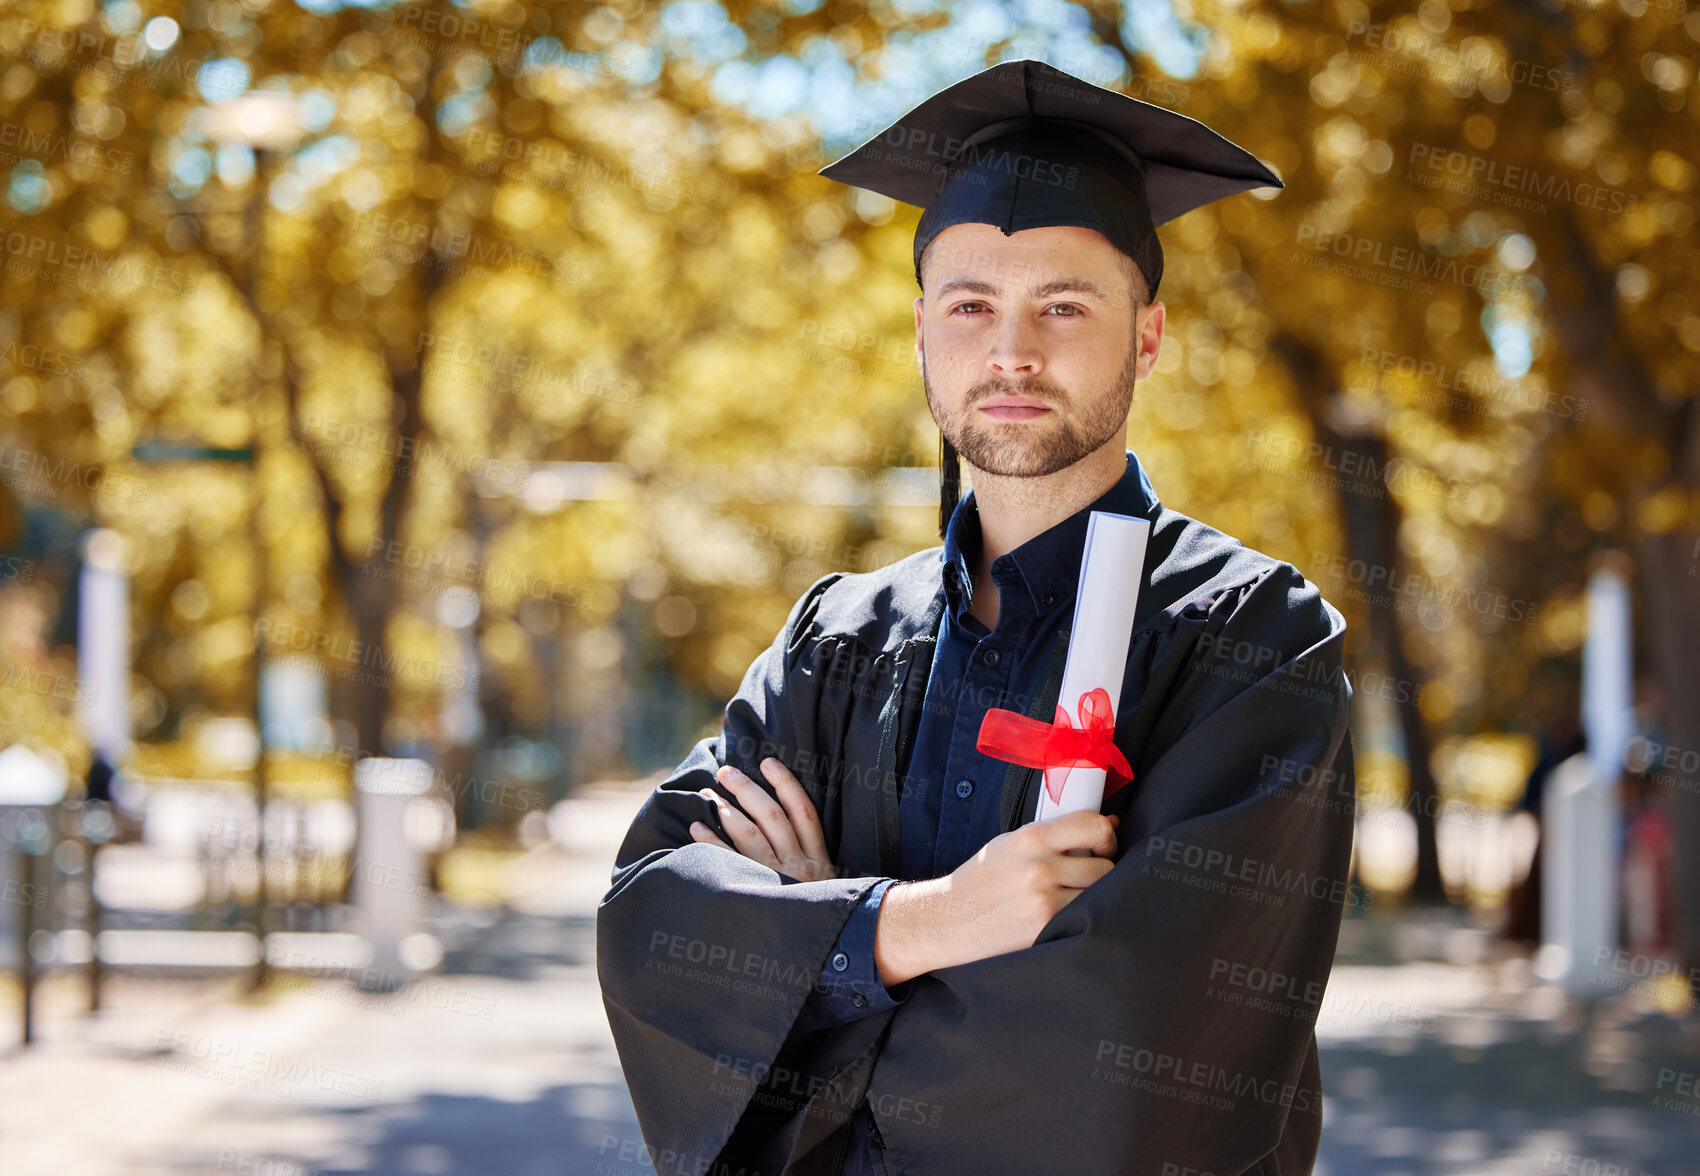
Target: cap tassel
950,483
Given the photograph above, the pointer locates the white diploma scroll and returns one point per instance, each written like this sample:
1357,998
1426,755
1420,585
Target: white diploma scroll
1112,567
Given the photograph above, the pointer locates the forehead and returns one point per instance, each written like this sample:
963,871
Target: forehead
985,254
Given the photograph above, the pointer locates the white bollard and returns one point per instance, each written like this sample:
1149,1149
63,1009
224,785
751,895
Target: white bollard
103,646
1580,811
391,885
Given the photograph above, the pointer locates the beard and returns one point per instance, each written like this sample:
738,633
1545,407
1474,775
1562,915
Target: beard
1040,446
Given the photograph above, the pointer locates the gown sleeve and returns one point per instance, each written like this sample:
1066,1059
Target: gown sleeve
1163,1021
705,957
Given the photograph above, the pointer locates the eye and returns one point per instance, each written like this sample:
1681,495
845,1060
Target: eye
967,307
1074,311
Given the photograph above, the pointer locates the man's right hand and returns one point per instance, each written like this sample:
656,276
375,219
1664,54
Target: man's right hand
995,902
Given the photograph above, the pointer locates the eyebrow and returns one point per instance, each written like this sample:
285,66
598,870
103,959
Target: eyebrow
1042,290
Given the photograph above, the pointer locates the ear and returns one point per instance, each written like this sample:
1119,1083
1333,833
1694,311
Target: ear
1150,335
920,330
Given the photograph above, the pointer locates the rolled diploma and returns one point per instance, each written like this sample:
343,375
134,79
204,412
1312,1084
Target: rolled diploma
1112,568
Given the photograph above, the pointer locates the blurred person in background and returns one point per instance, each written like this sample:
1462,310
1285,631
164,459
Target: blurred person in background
1558,741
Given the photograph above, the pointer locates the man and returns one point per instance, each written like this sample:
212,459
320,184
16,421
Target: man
836,939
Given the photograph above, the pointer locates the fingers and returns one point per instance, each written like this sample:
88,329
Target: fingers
747,839
1107,848
769,817
1077,873
805,822
701,832
1080,830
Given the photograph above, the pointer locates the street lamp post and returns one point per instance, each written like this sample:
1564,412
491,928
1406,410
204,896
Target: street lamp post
269,123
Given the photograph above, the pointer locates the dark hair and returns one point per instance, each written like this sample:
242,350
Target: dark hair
950,483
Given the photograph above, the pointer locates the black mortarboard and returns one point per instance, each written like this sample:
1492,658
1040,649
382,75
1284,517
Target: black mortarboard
1023,146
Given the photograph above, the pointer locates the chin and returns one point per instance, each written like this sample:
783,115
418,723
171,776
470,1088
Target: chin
1011,452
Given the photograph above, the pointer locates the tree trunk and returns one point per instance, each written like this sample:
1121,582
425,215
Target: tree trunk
1371,521
1670,584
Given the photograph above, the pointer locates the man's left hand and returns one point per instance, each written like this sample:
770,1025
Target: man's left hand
786,839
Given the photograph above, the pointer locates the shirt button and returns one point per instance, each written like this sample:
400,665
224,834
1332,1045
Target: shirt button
840,962
992,657
964,788
1050,599
858,999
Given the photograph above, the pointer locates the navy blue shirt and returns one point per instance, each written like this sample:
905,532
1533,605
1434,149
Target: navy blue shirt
953,793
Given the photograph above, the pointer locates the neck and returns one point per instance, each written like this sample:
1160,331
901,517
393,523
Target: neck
1014,510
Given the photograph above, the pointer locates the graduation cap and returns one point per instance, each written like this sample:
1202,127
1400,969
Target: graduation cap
1023,145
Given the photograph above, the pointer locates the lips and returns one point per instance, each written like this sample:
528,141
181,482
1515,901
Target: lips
1013,408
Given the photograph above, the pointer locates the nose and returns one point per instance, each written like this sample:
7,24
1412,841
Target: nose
1015,350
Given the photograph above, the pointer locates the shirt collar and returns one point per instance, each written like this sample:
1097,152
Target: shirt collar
1047,566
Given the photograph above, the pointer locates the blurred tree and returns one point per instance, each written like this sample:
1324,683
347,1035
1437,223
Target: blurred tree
1529,166
1457,348
490,252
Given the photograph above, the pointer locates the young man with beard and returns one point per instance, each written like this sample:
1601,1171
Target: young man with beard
837,941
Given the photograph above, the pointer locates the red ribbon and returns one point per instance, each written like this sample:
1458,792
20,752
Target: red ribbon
1057,747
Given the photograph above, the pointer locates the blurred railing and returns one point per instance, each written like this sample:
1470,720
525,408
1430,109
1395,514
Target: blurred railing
199,886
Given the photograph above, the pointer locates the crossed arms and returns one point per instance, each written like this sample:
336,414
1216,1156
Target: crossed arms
1015,884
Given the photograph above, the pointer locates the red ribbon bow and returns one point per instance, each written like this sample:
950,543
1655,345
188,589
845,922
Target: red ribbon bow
1057,747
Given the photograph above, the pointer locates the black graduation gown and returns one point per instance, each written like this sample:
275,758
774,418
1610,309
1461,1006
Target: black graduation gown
1161,1024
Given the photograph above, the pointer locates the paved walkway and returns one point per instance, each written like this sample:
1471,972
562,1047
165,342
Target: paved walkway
1449,1059
501,1064
1438,1057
